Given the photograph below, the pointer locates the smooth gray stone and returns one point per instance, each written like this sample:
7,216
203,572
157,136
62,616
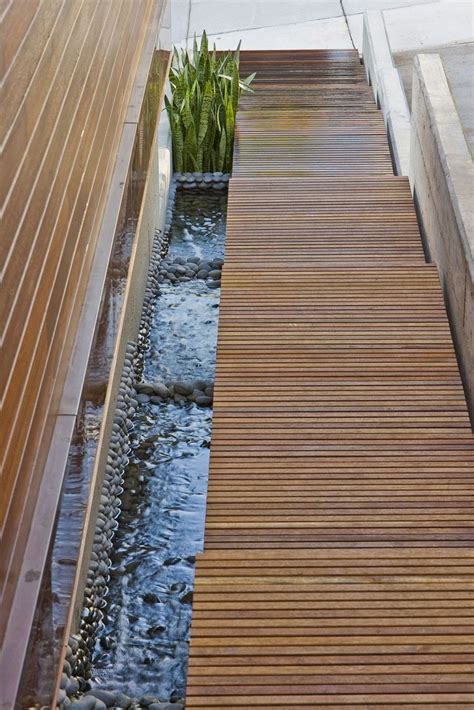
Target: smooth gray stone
199,384
202,274
215,273
143,398
219,186
179,260
183,388
214,284
72,686
217,174
209,390
203,401
144,388
148,700
105,696
217,262
122,701
85,703
161,390
194,260
156,400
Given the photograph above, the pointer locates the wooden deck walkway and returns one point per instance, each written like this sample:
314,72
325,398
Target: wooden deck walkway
338,565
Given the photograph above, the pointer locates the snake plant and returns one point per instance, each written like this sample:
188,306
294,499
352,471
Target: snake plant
206,88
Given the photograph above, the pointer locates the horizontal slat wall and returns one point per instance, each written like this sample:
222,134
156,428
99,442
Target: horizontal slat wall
69,68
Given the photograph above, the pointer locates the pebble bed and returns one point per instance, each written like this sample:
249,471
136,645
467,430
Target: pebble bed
134,396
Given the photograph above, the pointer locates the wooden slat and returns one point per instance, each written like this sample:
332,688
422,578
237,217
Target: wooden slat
69,70
337,570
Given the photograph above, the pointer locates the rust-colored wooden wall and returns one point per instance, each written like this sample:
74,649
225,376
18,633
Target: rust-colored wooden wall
69,66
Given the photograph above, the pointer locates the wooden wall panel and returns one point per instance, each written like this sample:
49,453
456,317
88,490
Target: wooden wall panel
69,69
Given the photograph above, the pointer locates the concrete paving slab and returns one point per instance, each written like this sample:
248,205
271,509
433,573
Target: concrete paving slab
180,10
356,27
216,16
430,25
319,34
353,7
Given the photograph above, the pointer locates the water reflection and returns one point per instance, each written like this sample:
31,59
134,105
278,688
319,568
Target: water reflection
144,645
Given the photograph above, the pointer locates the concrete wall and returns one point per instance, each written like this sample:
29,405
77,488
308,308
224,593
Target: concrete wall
429,145
388,89
442,178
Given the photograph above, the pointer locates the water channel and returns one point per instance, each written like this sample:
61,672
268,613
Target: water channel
143,645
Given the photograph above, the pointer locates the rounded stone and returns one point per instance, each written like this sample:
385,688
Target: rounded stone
214,284
184,388
215,273
123,701
203,401
202,274
87,702
161,390
105,696
150,598
143,398
144,388
217,262
72,687
179,260
199,384
148,700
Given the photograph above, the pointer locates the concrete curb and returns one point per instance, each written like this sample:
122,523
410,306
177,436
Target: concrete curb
442,177
387,87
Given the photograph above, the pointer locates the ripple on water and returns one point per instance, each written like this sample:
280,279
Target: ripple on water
143,648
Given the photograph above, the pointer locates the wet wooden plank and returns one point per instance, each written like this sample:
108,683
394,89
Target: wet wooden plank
337,569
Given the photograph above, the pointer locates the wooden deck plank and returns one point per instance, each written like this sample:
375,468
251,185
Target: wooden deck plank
337,570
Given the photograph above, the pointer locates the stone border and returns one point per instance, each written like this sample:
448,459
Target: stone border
442,177
387,87
131,392
216,181
77,666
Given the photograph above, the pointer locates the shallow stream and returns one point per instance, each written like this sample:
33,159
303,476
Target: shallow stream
143,646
